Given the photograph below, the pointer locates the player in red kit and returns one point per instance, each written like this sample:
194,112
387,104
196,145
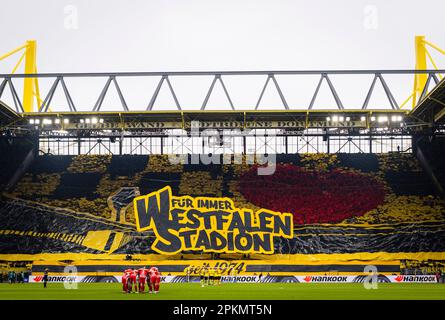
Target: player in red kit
155,279
125,282
142,279
132,280
128,284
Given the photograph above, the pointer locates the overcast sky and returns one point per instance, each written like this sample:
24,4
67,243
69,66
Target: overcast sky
180,35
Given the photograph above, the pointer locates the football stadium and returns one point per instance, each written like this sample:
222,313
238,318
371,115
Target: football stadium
115,200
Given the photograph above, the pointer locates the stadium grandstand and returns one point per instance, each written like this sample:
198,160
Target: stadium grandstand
364,185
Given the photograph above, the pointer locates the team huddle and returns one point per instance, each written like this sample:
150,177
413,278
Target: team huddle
134,280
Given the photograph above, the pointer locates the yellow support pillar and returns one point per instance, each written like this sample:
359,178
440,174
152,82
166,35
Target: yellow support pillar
421,64
29,83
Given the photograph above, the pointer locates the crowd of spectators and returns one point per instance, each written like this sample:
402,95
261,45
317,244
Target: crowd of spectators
316,188
398,162
89,163
313,196
200,183
162,163
423,267
31,186
320,162
14,277
404,208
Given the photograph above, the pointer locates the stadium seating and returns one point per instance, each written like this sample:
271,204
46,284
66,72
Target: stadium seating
422,266
313,196
200,183
316,188
404,209
335,196
89,163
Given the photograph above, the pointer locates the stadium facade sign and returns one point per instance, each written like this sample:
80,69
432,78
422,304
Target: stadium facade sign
208,224
130,125
138,125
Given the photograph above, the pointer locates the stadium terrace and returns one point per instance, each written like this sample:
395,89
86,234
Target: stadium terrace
244,198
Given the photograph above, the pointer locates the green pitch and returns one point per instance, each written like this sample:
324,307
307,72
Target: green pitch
258,291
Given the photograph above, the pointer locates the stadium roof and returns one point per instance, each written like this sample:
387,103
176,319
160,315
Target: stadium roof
432,107
7,115
294,81
430,110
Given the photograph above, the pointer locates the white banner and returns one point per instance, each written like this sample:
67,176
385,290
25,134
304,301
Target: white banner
240,279
247,279
57,279
325,279
413,279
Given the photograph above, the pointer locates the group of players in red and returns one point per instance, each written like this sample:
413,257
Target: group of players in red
133,280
